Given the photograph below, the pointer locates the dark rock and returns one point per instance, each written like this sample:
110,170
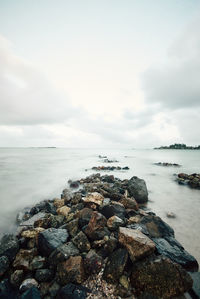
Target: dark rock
115,265
176,254
43,275
30,222
32,293
72,227
156,227
17,277
4,265
53,289
137,189
108,178
110,245
38,262
160,277
50,239
9,246
62,253
129,203
93,262
195,292
71,270
6,290
27,284
81,241
66,195
114,210
73,184
84,216
72,291
24,258
96,227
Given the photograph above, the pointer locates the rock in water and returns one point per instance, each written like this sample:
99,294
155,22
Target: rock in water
137,244
137,189
160,277
50,239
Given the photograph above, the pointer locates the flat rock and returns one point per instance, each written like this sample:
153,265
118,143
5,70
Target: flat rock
71,270
160,277
50,239
137,244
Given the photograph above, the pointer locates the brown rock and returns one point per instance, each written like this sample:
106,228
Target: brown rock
23,259
71,270
81,242
63,211
96,227
72,227
93,262
134,219
95,198
114,222
129,203
32,233
160,277
58,203
84,216
17,277
137,244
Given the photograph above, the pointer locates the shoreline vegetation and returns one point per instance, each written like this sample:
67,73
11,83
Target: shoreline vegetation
98,240
179,146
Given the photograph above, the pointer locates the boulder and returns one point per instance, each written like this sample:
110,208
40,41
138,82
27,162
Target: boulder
96,228
9,246
137,189
23,259
62,253
115,265
50,239
73,291
93,262
114,209
156,227
71,270
160,277
137,244
81,242
4,265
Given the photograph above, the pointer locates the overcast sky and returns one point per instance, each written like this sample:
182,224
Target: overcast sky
90,73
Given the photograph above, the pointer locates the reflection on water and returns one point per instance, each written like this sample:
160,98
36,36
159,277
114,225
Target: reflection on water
30,175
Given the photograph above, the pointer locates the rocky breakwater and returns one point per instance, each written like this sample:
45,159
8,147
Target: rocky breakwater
97,241
192,180
109,168
167,164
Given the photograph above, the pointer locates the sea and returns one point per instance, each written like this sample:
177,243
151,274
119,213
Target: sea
29,175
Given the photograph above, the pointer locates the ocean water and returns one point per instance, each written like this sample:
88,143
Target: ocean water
29,175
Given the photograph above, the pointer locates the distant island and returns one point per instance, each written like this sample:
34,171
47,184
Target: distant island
179,146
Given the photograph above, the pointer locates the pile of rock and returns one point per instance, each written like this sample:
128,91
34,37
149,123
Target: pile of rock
101,230
193,180
167,164
109,168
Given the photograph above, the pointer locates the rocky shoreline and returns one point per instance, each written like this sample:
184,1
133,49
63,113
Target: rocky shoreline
192,180
97,241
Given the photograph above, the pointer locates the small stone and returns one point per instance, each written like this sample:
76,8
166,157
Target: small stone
137,244
71,270
63,211
114,222
43,275
27,284
81,241
4,265
170,215
58,203
72,227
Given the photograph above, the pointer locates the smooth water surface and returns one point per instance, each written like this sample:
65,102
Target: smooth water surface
29,175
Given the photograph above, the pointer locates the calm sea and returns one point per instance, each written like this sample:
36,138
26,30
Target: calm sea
29,175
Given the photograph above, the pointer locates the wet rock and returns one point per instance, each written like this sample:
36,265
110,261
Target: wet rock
43,275
108,178
50,239
24,258
4,265
62,253
176,253
115,265
72,227
96,227
160,277
195,292
9,246
94,198
32,293
137,189
63,211
93,262
72,291
73,184
167,164
156,227
114,209
129,203
81,242
71,270
30,222
137,244
58,203
84,216
6,290
17,277
27,284
114,223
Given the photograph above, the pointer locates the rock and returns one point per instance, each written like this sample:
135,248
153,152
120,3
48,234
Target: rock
43,275
110,245
32,293
129,203
156,227
4,265
81,242
84,216
95,198
170,215
73,184
137,189
71,270
114,222
134,219
137,244
176,253
50,239
63,211
160,277
24,258
62,253
53,289
195,292
66,195
30,222
72,291
6,290
114,210
33,233
38,262
93,262
9,246
72,227
115,265
27,284
96,227
17,277
58,203
124,281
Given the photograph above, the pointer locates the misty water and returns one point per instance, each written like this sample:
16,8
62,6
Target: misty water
29,175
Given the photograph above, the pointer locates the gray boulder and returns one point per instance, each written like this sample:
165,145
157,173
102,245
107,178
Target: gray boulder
137,189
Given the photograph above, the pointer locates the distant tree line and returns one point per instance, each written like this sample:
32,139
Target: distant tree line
179,146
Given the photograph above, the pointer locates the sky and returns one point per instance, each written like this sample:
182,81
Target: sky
107,73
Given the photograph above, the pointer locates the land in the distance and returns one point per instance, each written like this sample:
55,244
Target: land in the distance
181,146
